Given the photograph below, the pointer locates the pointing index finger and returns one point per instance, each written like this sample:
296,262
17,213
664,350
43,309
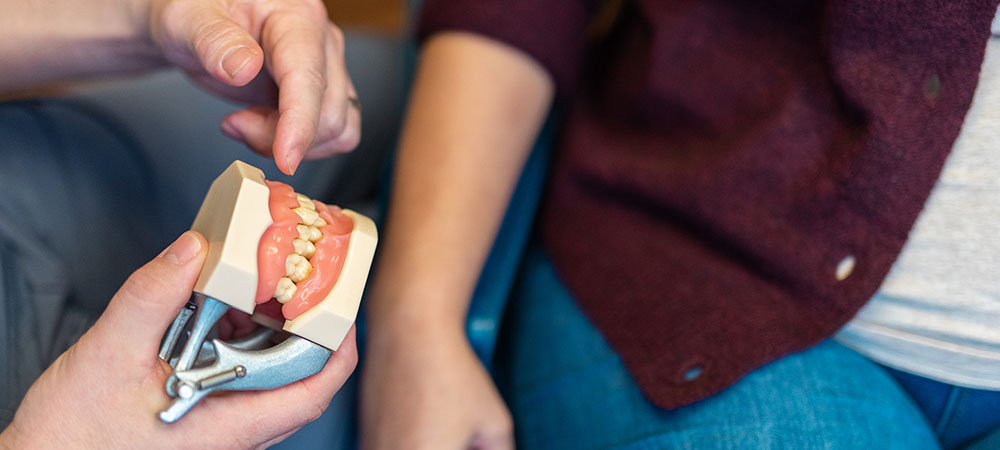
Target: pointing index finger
295,45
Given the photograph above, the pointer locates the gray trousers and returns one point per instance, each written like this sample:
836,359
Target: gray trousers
95,185
69,232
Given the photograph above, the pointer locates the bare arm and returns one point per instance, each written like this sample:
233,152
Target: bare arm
476,109
51,40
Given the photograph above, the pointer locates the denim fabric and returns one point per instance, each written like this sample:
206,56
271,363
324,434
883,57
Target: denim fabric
957,415
568,390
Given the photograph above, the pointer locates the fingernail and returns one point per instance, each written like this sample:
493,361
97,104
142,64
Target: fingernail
293,159
183,249
236,60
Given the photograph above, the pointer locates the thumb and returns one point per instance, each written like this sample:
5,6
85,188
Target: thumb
224,48
152,296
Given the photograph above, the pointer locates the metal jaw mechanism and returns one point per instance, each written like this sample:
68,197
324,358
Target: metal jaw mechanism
251,363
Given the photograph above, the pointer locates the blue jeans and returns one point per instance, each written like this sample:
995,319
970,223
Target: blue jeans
568,390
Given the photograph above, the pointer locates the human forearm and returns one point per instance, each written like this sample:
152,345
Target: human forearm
53,40
476,108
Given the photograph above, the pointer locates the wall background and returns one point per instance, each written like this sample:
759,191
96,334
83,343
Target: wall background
380,16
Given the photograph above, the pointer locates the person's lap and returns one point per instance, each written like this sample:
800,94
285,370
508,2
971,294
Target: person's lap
567,389
74,221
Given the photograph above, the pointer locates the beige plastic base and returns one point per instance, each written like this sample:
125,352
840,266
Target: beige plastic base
233,218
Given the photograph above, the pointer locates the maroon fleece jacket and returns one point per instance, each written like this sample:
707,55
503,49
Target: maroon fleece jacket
721,158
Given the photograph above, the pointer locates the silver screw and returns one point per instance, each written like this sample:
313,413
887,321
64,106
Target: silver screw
185,390
222,377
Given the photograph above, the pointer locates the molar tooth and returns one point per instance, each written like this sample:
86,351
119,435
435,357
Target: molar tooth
319,223
304,247
300,270
285,290
315,234
291,262
305,202
304,232
308,216
297,267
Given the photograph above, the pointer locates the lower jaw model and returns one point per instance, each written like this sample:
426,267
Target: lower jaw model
294,264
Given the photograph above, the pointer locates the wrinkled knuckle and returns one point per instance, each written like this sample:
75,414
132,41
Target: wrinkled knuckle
309,76
216,37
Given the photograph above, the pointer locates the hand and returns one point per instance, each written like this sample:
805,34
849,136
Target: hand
106,390
223,44
427,390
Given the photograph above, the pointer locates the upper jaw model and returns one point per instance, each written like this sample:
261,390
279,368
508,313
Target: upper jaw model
267,243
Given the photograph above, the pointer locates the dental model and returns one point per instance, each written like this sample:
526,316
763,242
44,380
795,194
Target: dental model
267,243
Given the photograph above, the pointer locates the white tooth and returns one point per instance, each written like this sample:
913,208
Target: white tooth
285,290
304,232
291,262
297,267
315,234
319,223
302,270
308,216
299,245
304,247
305,202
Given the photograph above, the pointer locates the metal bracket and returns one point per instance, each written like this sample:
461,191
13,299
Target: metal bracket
240,365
